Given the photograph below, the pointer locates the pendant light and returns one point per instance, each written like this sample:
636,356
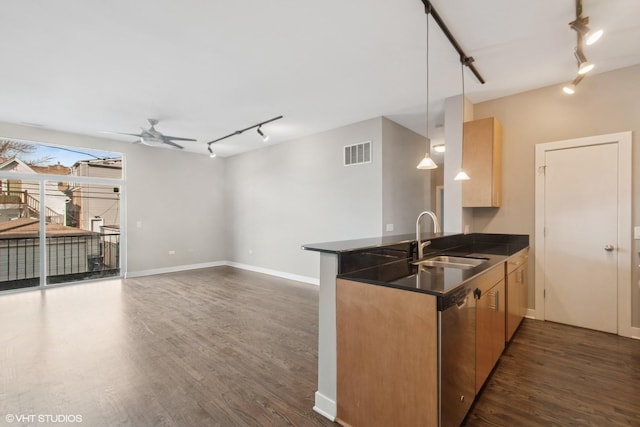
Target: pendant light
462,175
427,162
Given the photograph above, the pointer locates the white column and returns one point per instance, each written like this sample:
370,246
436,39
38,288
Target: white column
326,396
455,220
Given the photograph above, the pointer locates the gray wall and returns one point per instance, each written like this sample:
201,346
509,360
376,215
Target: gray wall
405,189
297,192
177,196
604,103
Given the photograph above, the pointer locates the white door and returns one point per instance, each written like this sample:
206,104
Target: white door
581,229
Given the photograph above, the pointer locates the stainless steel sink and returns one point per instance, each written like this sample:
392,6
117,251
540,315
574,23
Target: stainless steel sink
451,262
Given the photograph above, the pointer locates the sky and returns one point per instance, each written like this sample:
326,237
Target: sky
66,156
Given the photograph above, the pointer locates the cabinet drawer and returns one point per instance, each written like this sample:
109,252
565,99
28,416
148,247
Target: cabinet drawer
488,279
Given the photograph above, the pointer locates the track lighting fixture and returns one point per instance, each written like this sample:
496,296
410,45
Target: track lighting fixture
264,136
584,36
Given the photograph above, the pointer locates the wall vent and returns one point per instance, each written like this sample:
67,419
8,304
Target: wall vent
357,154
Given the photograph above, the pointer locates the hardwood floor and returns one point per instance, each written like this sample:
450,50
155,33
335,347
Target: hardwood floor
558,375
211,347
227,347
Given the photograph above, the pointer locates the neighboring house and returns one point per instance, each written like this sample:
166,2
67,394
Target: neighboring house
21,198
95,206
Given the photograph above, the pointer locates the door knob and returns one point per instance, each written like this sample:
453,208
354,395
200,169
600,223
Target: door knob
608,248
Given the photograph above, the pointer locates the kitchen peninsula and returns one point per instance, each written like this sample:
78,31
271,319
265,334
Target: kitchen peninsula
378,280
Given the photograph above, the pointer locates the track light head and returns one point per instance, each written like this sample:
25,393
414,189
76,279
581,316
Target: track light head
592,36
570,88
211,153
265,138
584,66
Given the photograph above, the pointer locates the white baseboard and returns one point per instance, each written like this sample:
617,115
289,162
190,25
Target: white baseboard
284,275
325,406
173,269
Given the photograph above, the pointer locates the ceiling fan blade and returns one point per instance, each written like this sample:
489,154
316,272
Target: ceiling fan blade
167,141
177,138
123,133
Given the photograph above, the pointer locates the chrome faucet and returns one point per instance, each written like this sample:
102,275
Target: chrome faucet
436,227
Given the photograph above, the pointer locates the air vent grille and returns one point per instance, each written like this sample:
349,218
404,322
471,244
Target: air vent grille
357,154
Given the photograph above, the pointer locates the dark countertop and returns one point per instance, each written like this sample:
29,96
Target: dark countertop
388,261
344,246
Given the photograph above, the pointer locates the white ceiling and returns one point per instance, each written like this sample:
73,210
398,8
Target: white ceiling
207,68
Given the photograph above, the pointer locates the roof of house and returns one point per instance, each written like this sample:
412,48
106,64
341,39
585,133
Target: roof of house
29,228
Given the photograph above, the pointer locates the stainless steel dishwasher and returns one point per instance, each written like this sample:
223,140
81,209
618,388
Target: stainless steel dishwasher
457,354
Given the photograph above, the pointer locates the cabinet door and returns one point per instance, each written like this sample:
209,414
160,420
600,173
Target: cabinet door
514,302
482,160
490,331
516,299
387,356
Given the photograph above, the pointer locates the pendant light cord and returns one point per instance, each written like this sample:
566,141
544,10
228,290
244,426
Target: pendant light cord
462,150
427,130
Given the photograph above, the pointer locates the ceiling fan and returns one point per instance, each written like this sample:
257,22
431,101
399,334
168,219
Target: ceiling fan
154,138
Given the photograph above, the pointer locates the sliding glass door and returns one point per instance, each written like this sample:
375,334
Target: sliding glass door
62,219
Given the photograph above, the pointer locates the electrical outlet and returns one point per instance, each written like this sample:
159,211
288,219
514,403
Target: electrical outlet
636,232
172,252
389,227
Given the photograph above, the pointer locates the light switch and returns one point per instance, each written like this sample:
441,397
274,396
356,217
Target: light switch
636,232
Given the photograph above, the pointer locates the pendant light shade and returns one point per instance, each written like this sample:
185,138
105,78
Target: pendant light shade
461,176
427,163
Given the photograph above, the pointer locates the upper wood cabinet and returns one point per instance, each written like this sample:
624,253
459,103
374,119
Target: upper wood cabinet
482,160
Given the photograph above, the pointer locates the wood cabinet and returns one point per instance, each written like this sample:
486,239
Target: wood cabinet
482,160
517,291
490,325
387,356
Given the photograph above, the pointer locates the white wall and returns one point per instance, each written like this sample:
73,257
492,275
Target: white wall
405,189
177,196
283,196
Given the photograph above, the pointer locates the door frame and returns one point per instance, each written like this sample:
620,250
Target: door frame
625,253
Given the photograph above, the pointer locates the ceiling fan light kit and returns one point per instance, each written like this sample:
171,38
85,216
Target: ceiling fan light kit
585,36
154,138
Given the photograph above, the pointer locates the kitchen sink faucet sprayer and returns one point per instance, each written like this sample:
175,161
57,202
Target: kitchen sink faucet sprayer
436,227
